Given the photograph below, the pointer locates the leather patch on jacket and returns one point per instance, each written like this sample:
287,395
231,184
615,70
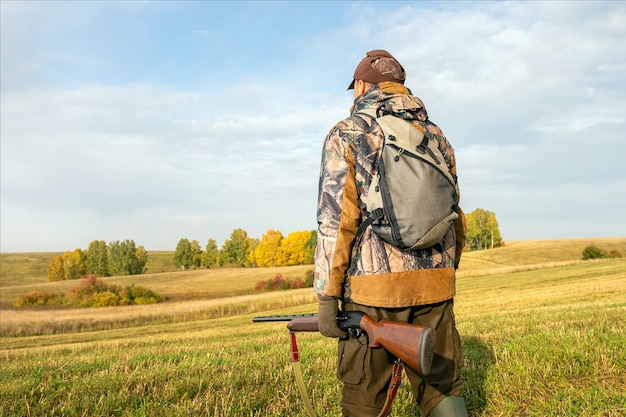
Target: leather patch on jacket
404,289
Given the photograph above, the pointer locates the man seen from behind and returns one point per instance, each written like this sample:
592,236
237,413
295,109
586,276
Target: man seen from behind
376,277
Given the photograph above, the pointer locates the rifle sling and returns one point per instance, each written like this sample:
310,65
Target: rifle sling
396,380
297,370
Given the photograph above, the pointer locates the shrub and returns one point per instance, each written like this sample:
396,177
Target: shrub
297,284
278,283
89,285
145,300
593,252
105,299
36,298
308,278
92,292
144,294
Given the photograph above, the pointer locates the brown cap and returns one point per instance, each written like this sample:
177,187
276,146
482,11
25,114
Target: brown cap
378,66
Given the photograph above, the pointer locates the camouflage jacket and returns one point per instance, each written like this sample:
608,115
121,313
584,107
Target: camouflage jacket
370,271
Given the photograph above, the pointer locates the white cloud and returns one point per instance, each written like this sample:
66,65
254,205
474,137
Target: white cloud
531,95
574,124
113,152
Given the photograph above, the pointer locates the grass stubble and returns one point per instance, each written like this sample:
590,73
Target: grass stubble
538,342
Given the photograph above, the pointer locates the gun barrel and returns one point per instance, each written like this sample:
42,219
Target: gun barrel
288,317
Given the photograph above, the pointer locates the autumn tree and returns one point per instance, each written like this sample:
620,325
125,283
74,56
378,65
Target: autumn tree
188,254
96,259
55,269
141,259
126,259
265,254
310,247
292,249
236,250
70,265
482,230
210,258
73,264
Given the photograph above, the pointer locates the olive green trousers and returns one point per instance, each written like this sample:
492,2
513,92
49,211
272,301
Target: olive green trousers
366,373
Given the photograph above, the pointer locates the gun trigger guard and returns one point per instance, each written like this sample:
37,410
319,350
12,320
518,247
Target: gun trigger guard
355,333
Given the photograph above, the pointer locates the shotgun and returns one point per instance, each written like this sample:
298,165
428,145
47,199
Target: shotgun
413,344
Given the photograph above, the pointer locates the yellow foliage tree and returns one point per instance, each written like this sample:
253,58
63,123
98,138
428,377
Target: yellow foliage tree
483,231
73,264
55,269
293,249
265,254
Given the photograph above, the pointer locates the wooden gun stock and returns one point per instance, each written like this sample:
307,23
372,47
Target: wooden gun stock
412,343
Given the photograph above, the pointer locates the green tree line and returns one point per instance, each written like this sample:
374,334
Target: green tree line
241,250
100,259
298,248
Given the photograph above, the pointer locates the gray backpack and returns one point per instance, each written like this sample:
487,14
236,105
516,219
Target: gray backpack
412,197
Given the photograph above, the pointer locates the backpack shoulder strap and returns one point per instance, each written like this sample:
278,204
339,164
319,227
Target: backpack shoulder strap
378,213
373,216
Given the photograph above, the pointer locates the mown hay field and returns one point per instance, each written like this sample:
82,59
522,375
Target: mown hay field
542,336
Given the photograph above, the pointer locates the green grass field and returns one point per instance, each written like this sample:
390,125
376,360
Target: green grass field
544,334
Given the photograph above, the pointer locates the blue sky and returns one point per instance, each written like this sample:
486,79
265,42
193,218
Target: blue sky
156,120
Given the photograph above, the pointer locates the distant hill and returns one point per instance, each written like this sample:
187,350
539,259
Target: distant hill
17,269
533,254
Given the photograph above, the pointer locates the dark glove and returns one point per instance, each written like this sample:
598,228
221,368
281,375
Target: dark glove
327,317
